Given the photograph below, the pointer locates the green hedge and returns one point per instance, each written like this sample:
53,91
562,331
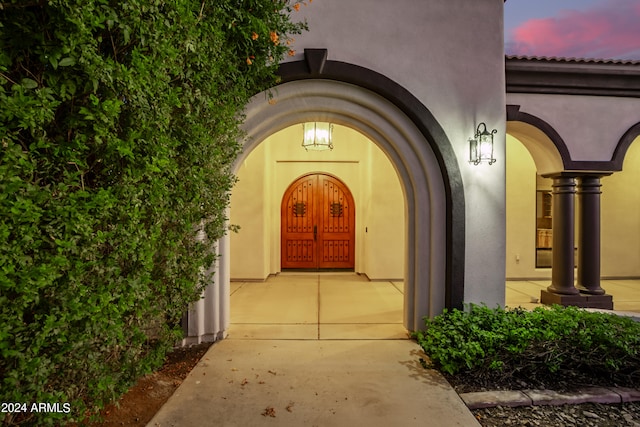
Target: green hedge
119,121
546,343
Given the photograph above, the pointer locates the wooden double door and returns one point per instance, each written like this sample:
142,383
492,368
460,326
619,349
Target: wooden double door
318,224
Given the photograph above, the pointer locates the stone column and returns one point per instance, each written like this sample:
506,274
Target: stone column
562,270
589,235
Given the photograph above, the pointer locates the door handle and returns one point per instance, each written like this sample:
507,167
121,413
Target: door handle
315,232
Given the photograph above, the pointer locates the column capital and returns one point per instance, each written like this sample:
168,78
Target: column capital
577,174
564,184
589,185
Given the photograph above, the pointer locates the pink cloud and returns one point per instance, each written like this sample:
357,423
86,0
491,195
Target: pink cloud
608,30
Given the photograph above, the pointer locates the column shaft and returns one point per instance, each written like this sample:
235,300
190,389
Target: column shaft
589,235
562,270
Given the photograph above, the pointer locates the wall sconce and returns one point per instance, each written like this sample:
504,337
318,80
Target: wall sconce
317,136
481,146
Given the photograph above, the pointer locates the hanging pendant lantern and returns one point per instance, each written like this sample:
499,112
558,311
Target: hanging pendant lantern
317,136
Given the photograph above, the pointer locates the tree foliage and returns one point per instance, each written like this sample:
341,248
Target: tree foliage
119,121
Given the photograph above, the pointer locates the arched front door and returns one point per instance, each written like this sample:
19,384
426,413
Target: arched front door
318,224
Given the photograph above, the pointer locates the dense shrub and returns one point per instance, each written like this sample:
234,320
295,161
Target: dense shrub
118,124
562,342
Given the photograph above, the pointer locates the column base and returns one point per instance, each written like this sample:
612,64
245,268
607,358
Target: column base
195,340
581,300
593,290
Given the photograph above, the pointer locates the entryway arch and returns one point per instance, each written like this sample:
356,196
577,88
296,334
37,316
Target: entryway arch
546,147
426,166
429,213
317,225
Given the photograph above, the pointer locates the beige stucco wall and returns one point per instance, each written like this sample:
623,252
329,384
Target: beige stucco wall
267,172
521,213
250,211
384,219
621,218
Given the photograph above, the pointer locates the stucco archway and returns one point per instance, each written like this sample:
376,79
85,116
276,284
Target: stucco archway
411,155
431,255
547,148
623,145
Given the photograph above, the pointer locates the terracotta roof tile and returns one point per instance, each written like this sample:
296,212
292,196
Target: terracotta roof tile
574,60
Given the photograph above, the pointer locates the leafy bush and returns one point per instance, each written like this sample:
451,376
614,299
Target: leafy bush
118,126
556,341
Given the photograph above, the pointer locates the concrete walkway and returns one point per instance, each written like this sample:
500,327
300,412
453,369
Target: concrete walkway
313,383
315,350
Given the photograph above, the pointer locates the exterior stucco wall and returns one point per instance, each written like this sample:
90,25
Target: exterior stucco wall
620,219
249,209
446,58
448,54
521,214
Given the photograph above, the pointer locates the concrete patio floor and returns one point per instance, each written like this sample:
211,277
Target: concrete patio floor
349,306
625,292
317,306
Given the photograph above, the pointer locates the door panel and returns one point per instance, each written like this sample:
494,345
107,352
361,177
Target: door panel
298,218
336,238
318,224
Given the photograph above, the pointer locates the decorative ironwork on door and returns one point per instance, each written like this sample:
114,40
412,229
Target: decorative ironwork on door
336,209
299,209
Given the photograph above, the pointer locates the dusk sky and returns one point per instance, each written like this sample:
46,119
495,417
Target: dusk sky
602,29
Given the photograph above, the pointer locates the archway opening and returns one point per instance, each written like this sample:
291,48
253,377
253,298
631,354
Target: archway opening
406,148
368,300
530,154
270,169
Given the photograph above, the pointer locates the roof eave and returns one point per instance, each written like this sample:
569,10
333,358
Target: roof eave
572,77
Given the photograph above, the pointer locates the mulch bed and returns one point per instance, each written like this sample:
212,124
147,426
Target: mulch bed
139,405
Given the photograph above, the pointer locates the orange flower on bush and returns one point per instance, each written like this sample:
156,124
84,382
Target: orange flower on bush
254,36
249,61
274,37
296,6
291,52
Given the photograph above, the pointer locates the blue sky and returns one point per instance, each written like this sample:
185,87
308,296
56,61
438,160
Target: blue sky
573,28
